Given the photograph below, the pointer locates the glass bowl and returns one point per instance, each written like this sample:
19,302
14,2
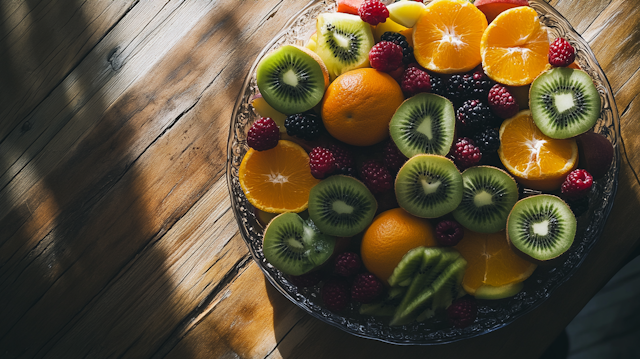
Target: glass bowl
492,314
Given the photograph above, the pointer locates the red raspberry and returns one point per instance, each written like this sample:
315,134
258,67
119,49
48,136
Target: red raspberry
561,53
347,264
465,153
449,233
306,280
263,134
373,12
376,176
366,288
463,311
335,294
393,158
385,56
577,184
415,80
344,160
321,162
502,103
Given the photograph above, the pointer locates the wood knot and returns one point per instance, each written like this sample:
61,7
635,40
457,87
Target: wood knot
114,60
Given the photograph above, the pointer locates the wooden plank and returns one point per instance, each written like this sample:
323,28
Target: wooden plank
580,17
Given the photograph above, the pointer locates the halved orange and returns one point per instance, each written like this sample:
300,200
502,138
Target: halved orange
277,180
515,47
490,261
534,159
446,38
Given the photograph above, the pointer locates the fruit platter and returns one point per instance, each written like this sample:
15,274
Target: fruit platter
423,173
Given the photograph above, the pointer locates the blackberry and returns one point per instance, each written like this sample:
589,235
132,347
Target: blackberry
474,115
438,86
580,206
488,140
303,125
480,85
459,88
400,40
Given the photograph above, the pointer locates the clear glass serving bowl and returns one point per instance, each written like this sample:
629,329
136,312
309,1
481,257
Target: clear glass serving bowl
492,314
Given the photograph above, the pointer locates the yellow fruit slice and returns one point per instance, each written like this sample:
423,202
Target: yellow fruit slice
387,26
406,13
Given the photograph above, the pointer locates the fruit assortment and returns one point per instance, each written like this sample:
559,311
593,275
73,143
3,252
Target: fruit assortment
398,130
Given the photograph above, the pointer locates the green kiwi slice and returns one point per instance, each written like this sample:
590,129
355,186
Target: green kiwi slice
344,41
541,227
564,102
428,186
294,246
489,194
290,80
424,123
341,206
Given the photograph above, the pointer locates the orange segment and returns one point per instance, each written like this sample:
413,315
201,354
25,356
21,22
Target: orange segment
515,47
389,237
277,180
358,106
536,160
490,261
446,38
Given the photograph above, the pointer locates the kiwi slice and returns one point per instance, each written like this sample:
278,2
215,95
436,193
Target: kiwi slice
343,43
294,246
541,227
386,307
424,123
493,293
564,102
341,206
292,79
489,194
428,186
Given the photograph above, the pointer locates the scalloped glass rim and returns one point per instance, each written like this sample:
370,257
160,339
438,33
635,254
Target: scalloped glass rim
492,315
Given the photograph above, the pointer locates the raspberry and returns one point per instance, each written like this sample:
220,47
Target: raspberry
303,125
306,280
438,86
415,80
459,88
344,160
366,287
474,115
577,184
347,264
561,53
373,12
263,134
393,158
335,294
376,177
465,153
488,140
463,311
321,162
385,56
579,206
480,85
449,233
502,102
400,40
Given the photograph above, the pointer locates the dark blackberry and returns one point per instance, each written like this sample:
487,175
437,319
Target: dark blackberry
400,40
480,85
438,86
459,88
474,115
306,126
488,140
579,206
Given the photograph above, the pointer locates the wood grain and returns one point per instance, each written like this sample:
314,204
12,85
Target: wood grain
116,233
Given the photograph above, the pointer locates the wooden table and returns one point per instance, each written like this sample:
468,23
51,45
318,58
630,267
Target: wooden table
116,234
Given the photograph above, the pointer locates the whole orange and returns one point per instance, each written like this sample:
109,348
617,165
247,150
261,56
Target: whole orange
389,237
358,105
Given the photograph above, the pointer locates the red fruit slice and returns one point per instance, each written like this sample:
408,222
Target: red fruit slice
492,8
595,153
349,6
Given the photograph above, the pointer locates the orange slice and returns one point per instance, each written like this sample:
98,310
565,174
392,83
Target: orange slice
490,261
277,180
536,160
446,38
515,47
